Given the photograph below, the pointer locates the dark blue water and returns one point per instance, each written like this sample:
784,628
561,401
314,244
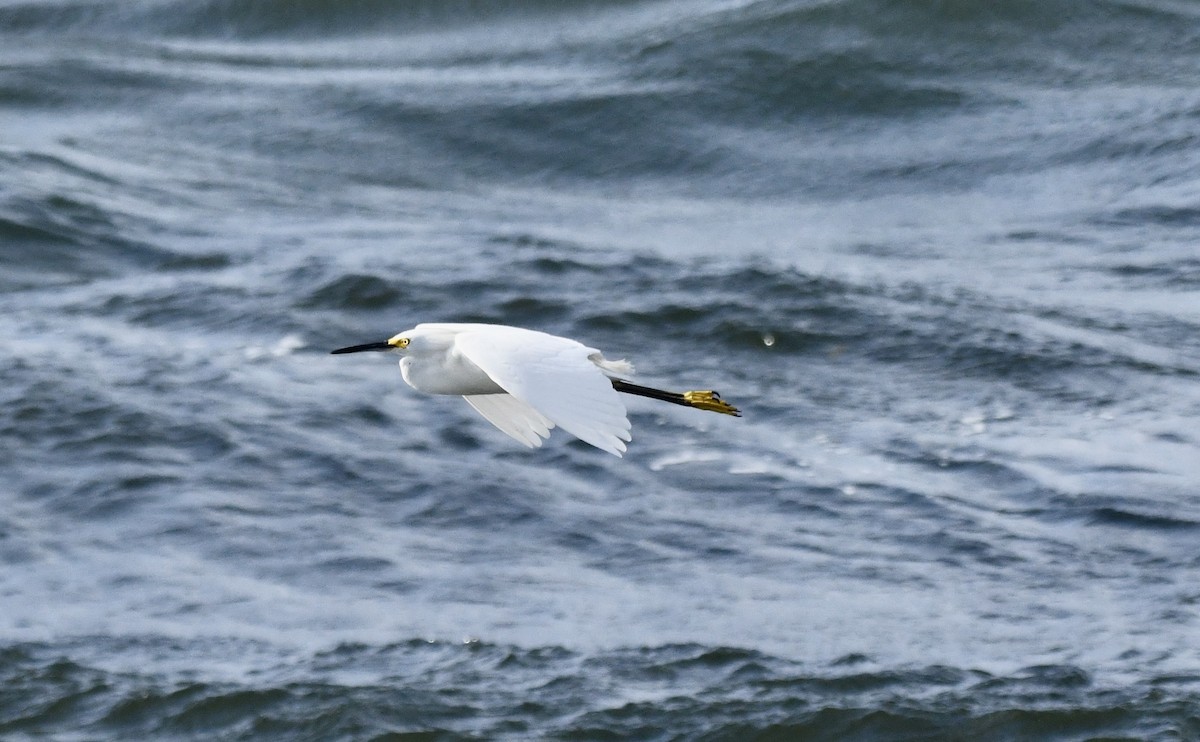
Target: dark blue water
944,256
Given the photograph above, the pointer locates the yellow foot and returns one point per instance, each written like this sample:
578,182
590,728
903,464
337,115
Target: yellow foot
711,401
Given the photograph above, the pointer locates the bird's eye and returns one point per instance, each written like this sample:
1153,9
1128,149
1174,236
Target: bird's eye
402,342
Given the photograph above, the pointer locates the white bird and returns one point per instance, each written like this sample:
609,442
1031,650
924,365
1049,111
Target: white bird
526,382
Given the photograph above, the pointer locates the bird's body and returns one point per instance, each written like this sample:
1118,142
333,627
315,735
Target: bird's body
527,382
434,363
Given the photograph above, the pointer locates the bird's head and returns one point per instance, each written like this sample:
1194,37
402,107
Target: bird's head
399,342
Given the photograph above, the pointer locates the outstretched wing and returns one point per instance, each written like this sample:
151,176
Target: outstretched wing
555,377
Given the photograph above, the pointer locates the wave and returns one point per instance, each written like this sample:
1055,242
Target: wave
915,18
764,98
452,691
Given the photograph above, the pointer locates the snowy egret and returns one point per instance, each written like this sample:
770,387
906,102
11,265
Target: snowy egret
525,382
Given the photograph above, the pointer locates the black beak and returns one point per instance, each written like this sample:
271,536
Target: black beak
363,347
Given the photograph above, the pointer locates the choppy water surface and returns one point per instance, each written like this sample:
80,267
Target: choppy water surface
944,258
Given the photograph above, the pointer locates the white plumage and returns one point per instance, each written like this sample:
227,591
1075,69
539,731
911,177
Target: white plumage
527,382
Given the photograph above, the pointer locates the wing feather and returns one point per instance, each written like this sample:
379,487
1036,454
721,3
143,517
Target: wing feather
512,416
554,376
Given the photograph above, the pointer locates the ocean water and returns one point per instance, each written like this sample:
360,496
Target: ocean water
944,256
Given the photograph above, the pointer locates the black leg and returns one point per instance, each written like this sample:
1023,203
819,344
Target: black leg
699,400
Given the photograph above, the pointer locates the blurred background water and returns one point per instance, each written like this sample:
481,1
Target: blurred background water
943,255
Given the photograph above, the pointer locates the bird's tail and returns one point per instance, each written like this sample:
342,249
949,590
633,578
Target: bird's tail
700,399
612,368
